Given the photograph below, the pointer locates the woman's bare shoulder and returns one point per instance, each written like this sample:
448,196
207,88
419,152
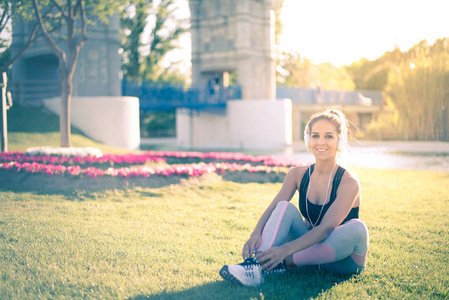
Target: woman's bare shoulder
298,171
294,177
349,178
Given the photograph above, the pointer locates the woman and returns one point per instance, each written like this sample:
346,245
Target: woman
328,232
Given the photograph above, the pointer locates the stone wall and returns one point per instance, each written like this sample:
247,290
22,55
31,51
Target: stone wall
113,121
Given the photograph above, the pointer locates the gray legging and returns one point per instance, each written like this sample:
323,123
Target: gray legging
343,251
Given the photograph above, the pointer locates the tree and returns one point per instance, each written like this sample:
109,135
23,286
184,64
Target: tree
416,91
293,70
373,75
297,71
278,26
419,90
133,22
144,44
14,10
74,15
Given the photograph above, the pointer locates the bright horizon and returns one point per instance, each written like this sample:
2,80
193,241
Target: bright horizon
344,31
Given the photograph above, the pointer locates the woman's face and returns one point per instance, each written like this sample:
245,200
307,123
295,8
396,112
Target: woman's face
323,139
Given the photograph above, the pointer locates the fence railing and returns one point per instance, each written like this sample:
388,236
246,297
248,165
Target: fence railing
320,96
162,96
33,91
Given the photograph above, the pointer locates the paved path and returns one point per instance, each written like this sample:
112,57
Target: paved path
392,146
399,146
387,146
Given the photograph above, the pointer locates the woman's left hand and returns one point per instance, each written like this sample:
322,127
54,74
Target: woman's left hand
270,258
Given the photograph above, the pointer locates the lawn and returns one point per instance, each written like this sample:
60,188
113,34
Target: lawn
35,126
170,242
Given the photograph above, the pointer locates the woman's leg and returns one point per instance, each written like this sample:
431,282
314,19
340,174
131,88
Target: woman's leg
343,251
284,220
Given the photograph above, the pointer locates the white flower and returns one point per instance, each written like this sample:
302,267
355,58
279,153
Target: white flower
64,151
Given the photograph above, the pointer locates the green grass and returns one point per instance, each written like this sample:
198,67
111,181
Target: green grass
36,126
170,242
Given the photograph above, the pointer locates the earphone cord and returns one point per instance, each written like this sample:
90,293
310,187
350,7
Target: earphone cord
325,201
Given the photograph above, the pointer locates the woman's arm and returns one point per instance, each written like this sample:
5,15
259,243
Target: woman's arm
289,187
348,193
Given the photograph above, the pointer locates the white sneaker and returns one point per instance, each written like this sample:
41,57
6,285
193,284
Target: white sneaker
247,273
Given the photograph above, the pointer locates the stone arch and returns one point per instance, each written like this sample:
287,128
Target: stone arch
41,67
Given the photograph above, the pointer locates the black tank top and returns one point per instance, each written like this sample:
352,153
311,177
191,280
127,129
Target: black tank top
313,209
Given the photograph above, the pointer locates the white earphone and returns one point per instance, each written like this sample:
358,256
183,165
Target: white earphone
341,141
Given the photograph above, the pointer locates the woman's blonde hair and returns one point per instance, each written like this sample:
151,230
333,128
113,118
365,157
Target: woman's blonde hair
335,116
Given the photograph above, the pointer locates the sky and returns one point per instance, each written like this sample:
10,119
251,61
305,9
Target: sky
344,31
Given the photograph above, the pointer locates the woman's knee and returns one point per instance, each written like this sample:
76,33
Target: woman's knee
350,236
359,232
357,227
285,206
281,204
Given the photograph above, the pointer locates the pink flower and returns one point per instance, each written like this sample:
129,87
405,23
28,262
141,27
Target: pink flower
56,165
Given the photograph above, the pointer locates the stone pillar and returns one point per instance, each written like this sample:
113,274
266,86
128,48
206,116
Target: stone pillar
195,8
234,35
98,69
254,49
228,36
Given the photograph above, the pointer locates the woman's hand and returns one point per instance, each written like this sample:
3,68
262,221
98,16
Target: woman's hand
270,258
251,245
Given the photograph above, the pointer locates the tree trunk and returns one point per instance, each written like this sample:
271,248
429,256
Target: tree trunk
64,117
66,69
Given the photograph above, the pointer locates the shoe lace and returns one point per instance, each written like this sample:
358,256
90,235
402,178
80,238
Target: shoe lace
279,269
250,265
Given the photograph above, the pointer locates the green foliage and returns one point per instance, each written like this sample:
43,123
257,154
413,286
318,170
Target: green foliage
68,20
278,26
158,124
10,11
58,11
416,89
132,30
293,70
333,78
373,75
101,10
297,71
385,125
143,51
419,90
170,242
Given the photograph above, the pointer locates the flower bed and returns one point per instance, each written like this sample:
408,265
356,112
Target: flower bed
189,157
64,151
107,159
132,166
171,157
192,170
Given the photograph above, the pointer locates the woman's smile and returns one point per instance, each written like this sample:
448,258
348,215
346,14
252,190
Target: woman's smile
324,138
